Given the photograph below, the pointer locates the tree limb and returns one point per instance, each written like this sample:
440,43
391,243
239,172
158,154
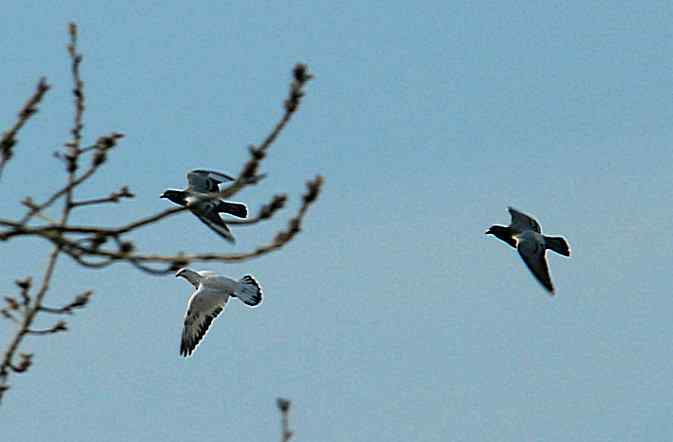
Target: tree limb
8,140
96,247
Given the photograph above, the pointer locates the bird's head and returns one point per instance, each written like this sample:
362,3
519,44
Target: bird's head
193,277
176,196
497,231
503,233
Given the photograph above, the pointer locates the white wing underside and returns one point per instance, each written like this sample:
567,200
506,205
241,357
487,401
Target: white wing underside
203,307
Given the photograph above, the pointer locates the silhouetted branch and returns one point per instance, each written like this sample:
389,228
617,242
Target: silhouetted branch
103,145
284,407
248,174
79,302
95,246
32,308
114,197
173,262
78,91
8,140
60,326
26,360
265,212
9,315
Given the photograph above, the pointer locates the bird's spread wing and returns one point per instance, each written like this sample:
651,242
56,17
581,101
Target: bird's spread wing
213,220
521,221
201,180
202,309
533,255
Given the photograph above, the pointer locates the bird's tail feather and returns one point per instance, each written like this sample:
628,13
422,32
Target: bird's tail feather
249,291
557,244
236,209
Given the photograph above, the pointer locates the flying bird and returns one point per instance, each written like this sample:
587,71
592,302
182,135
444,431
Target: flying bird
207,209
212,293
525,235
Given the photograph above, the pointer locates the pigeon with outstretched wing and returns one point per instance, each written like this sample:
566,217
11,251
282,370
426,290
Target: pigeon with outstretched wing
525,235
206,208
207,302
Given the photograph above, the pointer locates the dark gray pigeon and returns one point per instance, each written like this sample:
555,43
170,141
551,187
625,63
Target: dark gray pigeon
525,235
205,208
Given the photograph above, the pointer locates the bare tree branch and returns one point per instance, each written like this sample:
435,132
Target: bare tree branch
114,197
24,327
80,301
284,407
248,174
102,146
78,91
265,212
8,140
97,247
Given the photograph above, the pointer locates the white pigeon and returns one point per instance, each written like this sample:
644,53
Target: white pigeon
525,235
212,293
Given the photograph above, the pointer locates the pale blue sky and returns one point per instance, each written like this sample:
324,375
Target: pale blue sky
392,317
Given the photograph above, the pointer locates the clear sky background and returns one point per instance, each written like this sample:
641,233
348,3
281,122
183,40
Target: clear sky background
392,317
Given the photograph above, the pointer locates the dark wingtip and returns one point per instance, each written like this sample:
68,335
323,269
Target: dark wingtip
185,352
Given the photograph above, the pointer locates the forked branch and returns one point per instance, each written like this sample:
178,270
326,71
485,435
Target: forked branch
96,246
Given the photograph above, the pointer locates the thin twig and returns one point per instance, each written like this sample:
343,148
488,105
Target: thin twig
104,144
60,326
27,321
284,407
8,140
78,91
248,174
32,310
114,197
98,247
265,212
79,302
